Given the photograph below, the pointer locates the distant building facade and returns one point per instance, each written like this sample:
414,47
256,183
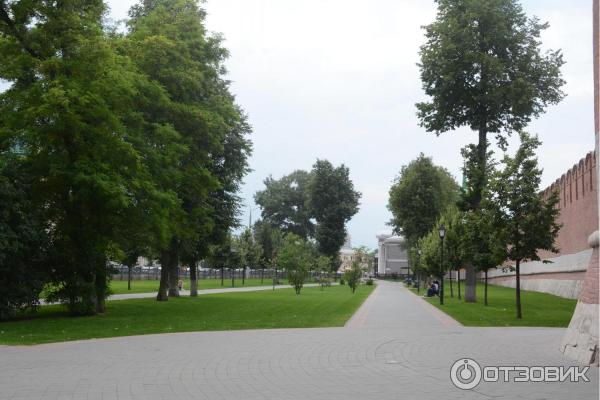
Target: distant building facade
392,257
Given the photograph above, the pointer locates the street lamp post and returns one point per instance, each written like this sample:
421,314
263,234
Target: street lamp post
418,266
442,231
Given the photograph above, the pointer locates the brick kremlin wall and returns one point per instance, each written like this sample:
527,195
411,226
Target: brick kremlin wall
579,219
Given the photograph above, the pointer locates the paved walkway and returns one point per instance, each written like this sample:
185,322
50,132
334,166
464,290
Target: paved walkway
201,292
395,347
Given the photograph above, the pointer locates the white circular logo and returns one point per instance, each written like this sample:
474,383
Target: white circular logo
465,373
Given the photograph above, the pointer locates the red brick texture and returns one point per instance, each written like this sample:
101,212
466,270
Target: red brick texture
578,207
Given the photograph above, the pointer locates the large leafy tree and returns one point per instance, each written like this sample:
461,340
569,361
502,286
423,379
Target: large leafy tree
333,202
527,220
72,108
482,66
171,45
418,196
284,204
25,259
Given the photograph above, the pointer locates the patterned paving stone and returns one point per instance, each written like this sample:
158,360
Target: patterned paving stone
395,347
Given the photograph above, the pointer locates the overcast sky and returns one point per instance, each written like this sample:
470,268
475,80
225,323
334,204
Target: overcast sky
337,79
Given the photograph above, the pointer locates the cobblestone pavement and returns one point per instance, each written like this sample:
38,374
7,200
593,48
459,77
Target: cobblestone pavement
395,347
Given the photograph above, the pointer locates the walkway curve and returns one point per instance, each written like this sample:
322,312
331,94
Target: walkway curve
391,349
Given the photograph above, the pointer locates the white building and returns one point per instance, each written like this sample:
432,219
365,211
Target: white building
392,257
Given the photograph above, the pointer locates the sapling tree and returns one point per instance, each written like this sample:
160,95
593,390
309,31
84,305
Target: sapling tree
527,219
295,257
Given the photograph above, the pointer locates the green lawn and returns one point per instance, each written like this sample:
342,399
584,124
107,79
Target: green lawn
281,308
142,286
539,309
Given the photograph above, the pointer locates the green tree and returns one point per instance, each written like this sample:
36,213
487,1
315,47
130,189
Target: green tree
482,66
527,219
284,204
25,253
296,257
418,196
353,275
269,240
170,44
73,108
250,251
333,202
453,221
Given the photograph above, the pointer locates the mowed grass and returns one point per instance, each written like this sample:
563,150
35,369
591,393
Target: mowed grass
150,286
281,308
539,309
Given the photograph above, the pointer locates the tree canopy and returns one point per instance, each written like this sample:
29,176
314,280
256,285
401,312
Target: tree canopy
284,204
418,196
333,202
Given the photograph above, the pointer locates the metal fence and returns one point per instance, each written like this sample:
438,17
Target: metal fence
120,273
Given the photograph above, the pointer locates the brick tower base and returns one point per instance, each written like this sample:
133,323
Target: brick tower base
581,340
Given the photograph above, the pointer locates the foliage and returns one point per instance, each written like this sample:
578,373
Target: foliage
526,219
418,196
296,257
333,202
269,239
250,249
24,243
483,67
73,110
284,204
356,271
168,41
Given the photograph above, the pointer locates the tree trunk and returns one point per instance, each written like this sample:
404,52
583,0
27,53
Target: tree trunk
470,284
163,287
485,288
470,278
193,280
222,276
450,280
262,275
174,279
458,281
243,276
129,277
518,289
100,286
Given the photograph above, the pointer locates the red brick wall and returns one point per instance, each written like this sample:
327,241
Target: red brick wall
578,207
591,283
